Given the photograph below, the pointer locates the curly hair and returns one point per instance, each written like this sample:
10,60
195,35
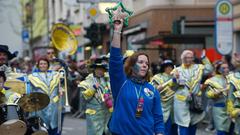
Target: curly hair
131,61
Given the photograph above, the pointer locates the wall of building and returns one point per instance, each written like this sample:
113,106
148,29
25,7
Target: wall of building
10,25
160,19
236,26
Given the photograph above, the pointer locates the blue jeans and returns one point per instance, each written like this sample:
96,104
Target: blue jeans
191,130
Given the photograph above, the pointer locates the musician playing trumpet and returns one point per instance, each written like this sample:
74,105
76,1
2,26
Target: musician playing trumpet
163,82
95,90
217,88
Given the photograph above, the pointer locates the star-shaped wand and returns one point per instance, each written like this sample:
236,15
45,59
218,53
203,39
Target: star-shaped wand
119,12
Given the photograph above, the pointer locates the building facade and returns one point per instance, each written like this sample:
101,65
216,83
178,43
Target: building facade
236,25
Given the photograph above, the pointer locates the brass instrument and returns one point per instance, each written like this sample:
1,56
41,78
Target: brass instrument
223,90
63,38
64,78
166,93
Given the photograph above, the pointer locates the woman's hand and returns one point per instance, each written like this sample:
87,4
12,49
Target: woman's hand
118,17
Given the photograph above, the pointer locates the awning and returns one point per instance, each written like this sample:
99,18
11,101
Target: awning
176,39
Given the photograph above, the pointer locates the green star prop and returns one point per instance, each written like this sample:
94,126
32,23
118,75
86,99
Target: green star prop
119,10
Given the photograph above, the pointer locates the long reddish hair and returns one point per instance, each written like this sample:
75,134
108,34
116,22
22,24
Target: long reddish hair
131,61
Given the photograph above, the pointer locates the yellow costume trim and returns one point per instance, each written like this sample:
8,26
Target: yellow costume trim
167,92
199,76
90,111
110,109
55,99
181,97
83,85
35,80
3,91
88,93
234,81
236,94
212,83
211,94
205,61
38,83
54,82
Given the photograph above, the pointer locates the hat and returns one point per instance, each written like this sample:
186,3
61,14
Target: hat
4,48
165,64
99,63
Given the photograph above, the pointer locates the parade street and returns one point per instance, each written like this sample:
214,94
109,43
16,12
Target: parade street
75,126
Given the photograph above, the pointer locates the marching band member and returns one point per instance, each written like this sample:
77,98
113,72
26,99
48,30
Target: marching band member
47,82
137,106
95,90
167,94
2,90
5,56
189,76
233,103
217,88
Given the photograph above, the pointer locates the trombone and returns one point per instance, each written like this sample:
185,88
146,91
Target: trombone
64,40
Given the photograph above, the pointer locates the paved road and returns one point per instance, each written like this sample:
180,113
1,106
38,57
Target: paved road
74,126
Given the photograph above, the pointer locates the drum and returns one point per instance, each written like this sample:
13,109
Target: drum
36,126
12,120
16,82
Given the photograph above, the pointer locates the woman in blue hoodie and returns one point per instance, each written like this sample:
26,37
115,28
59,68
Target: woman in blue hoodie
137,106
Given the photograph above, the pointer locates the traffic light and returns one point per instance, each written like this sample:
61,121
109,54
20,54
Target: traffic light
176,27
94,34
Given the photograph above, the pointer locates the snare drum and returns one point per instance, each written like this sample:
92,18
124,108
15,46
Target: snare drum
12,120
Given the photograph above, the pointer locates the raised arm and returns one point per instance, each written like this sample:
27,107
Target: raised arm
116,71
208,68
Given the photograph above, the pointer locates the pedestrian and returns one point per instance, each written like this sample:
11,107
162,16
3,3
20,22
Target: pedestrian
217,88
188,108
163,82
137,106
95,90
46,81
233,104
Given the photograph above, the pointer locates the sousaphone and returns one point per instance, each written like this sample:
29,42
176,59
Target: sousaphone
63,38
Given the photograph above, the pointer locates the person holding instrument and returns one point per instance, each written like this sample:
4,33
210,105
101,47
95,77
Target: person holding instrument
217,88
137,106
233,103
163,82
